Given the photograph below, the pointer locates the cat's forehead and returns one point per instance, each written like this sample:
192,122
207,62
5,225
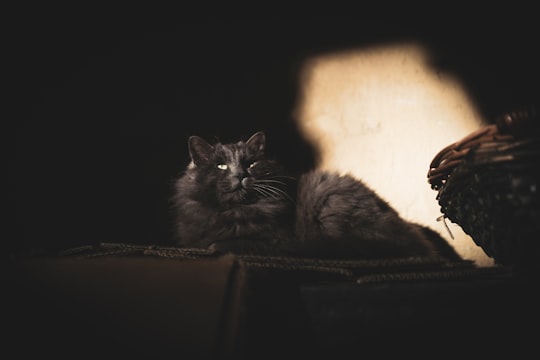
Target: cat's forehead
232,151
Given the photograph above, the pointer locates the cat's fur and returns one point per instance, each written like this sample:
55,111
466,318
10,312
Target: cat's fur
233,199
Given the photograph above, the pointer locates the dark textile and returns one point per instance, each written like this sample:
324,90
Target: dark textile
129,301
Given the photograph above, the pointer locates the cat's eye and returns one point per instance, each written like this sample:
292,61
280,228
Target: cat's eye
222,166
252,165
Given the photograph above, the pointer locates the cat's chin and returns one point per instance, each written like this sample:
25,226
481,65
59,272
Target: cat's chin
241,196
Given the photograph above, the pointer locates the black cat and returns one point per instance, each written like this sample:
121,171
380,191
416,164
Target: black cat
233,199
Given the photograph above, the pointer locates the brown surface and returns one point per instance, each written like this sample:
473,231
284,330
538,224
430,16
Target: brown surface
125,307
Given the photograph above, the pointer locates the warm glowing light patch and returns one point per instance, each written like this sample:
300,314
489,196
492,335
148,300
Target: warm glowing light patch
381,114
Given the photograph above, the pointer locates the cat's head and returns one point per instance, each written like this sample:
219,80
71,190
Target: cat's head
236,172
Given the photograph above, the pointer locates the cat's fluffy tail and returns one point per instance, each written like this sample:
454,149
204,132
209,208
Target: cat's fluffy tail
339,216
442,247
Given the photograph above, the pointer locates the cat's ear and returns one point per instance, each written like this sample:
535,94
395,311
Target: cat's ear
257,142
199,150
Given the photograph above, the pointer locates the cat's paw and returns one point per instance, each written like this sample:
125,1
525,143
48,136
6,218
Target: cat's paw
242,245
218,248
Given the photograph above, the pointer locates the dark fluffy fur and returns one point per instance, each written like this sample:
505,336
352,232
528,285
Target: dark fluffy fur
231,198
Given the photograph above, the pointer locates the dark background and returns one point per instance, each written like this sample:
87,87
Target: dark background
110,96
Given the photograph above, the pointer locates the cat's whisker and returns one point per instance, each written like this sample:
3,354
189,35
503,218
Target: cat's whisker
277,192
269,190
272,176
270,187
271,181
283,177
264,192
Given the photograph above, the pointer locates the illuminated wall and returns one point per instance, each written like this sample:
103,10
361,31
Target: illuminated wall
382,114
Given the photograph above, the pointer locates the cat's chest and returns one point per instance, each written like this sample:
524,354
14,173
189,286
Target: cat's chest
253,212
239,213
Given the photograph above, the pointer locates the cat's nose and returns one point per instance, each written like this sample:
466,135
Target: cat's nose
246,182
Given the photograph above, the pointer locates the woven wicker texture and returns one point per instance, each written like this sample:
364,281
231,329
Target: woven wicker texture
488,184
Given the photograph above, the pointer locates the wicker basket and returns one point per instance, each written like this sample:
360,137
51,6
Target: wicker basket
487,183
